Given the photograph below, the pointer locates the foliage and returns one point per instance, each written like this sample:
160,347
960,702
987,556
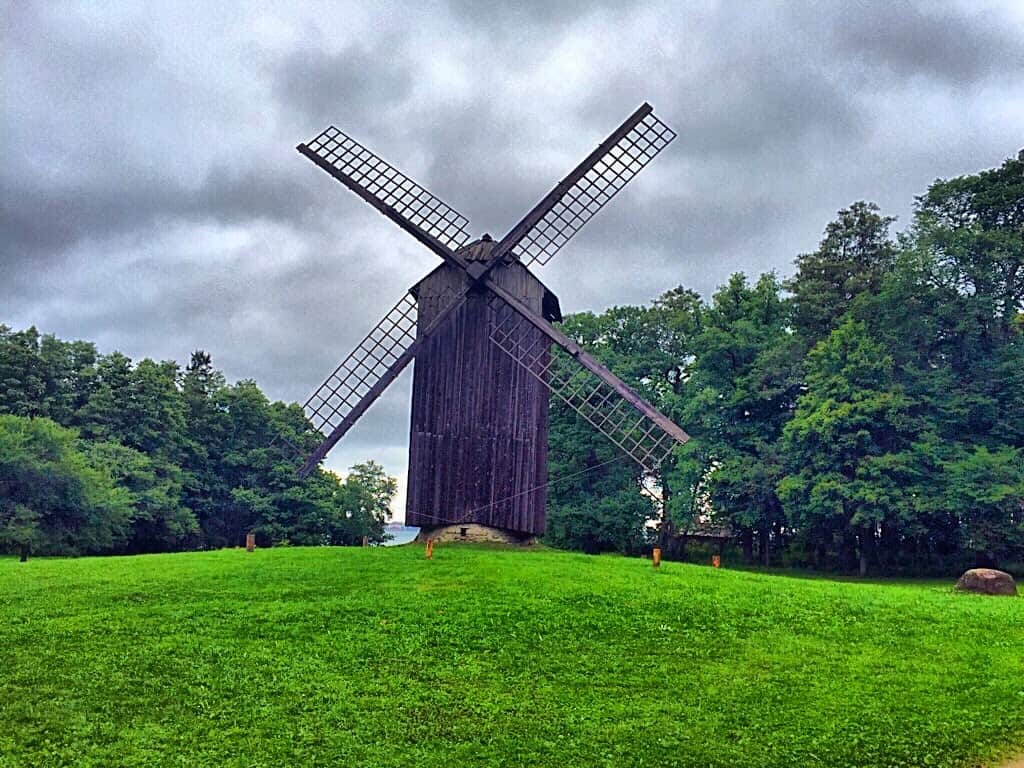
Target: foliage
848,445
485,656
852,259
195,462
985,489
52,500
741,387
594,502
868,413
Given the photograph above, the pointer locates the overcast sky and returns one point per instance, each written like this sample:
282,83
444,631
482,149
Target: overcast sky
152,200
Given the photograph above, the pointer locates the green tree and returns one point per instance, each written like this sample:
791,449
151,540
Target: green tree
852,259
22,382
594,501
973,228
849,446
594,496
985,490
159,521
739,392
52,499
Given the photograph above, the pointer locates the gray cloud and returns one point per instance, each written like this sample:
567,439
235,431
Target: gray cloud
948,44
151,198
357,85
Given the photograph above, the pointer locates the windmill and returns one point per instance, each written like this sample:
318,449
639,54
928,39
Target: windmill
487,354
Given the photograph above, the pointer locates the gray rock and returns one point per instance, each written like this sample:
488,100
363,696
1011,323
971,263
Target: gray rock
987,581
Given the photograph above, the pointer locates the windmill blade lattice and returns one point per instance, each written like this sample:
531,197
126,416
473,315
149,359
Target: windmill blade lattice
581,389
591,192
350,382
385,187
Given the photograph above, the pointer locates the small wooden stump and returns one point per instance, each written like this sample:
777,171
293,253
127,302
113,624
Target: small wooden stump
656,557
250,541
430,549
716,561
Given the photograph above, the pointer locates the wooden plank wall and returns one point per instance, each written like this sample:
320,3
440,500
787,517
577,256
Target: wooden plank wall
478,444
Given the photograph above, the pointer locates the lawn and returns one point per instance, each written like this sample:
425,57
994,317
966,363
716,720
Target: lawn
483,656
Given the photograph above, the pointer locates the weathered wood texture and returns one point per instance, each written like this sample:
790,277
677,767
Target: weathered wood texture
478,444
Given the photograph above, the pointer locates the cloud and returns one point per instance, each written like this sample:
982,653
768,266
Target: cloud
358,85
955,46
151,198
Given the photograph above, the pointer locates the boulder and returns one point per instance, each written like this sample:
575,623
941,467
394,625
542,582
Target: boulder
987,581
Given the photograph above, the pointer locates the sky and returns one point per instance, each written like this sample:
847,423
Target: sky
152,201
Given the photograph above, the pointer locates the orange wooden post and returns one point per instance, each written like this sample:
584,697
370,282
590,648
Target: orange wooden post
430,549
656,557
250,541
716,561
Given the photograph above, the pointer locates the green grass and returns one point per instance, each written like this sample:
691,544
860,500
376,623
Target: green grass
378,657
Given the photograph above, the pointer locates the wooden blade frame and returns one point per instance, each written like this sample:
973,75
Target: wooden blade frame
587,189
588,387
361,377
426,217
594,392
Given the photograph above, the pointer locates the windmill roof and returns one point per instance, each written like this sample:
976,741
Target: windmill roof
480,250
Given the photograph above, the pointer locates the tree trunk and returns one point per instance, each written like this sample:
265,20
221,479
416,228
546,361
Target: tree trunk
747,537
24,553
666,535
780,542
848,552
819,556
764,544
867,536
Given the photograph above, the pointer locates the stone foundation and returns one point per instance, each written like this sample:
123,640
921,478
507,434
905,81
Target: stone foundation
474,533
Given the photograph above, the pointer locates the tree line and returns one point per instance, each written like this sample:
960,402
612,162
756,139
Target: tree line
99,454
865,414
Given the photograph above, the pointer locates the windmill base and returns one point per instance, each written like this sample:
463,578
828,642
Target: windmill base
474,533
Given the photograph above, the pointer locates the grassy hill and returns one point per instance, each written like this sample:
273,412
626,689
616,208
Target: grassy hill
378,657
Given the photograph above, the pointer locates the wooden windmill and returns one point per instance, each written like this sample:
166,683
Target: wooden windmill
480,329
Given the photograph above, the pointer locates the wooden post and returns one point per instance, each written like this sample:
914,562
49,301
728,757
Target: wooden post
716,561
430,549
656,557
250,541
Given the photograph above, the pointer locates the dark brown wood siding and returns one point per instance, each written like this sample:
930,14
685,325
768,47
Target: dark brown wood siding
478,446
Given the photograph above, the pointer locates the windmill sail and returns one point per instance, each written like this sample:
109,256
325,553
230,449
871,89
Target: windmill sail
361,377
586,190
425,216
368,370
586,386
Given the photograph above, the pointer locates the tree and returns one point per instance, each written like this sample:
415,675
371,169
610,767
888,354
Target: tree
594,493
52,499
159,522
22,384
985,490
739,392
371,489
594,501
849,445
973,227
853,257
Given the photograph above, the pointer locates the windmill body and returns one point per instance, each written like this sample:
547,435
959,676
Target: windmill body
478,442
480,329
